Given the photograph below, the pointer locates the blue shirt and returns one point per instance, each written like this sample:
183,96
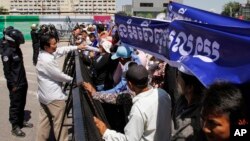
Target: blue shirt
122,85
94,44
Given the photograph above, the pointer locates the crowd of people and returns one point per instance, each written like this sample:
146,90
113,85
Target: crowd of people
199,113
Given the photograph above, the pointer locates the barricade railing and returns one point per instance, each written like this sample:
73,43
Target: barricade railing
81,105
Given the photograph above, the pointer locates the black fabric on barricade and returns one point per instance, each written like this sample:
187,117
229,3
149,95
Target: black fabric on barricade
91,107
114,114
117,115
85,105
125,100
91,132
96,107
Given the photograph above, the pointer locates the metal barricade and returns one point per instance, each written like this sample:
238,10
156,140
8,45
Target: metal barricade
81,105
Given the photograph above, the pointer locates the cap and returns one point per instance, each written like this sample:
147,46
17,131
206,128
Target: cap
34,26
90,26
137,75
106,45
122,52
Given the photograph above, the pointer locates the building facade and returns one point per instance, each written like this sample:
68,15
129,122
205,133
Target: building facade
64,7
150,8
127,9
95,6
245,11
5,4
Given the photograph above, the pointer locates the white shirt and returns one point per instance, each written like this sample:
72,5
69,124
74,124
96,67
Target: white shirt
49,75
149,119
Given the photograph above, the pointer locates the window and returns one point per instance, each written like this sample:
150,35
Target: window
146,4
165,4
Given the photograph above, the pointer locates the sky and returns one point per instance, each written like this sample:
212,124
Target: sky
208,5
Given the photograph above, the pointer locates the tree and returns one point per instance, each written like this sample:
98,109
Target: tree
3,11
122,13
231,9
149,15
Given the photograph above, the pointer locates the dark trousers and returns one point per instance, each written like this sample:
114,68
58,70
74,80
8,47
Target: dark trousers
17,105
35,52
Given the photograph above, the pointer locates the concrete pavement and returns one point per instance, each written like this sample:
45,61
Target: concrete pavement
32,104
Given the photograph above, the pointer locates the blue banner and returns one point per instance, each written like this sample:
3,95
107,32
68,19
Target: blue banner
183,12
148,35
211,53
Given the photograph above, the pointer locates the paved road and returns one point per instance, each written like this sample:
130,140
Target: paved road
32,104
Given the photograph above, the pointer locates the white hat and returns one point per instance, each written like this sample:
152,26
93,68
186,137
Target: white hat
106,45
34,26
91,26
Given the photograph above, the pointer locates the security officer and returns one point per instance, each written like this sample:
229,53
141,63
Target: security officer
35,42
2,40
1,45
14,72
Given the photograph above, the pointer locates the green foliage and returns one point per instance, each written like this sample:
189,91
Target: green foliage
140,15
145,15
149,15
231,9
122,13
